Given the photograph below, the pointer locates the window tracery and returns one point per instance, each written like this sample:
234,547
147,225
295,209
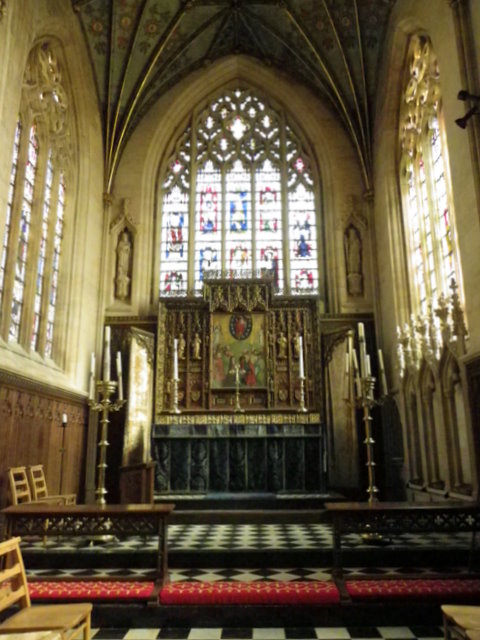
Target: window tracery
243,178
42,154
424,167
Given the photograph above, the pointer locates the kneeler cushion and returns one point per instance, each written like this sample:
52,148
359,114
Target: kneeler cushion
90,590
414,588
183,593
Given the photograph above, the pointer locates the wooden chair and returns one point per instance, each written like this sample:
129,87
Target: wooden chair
38,486
71,620
20,491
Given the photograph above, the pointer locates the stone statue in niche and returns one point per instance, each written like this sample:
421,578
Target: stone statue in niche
197,343
282,346
353,261
123,271
181,347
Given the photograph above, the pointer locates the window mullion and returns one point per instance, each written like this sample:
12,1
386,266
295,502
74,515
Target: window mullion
14,234
26,321
224,220
48,268
285,221
253,209
192,215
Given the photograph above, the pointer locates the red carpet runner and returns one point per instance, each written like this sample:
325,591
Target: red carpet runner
268,593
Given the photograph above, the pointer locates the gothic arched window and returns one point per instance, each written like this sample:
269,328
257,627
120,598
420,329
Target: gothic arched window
29,267
428,212
238,199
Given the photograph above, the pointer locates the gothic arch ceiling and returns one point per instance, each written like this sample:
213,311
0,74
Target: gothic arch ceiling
141,48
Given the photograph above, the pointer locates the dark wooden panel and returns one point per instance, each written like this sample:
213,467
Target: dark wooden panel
31,433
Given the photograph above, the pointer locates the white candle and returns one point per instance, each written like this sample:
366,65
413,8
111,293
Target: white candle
355,362
64,419
119,375
368,370
350,342
346,383
301,371
106,355
363,353
92,364
237,374
383,378
175,359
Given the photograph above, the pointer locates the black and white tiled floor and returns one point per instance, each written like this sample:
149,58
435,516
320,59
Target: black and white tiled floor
217,574
279,633
251,537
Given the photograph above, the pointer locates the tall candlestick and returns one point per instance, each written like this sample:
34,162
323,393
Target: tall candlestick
301,371
106,355
383,378
119,375
175,359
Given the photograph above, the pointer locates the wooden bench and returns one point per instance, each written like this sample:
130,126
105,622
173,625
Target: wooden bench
394,518
95,522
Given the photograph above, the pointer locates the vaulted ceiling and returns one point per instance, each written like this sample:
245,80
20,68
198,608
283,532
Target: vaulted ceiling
141,48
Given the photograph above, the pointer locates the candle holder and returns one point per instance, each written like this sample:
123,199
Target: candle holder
104,405
360,394
175,408
237,408
302,408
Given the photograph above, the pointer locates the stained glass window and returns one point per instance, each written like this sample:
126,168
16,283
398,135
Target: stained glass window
37,305
244,178
424,167
24,236
8,217
57,246
32,237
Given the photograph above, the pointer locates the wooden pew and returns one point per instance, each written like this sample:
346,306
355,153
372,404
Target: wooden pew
94,522
394,518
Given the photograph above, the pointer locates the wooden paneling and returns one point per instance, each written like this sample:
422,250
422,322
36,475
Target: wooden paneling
31,433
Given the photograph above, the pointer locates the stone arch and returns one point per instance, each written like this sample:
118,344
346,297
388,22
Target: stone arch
338,170
459,451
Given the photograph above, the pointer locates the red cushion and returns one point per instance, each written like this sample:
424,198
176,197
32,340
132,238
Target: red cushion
249,593
90,590
413,588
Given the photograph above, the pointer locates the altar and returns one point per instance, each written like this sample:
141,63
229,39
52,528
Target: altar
243,392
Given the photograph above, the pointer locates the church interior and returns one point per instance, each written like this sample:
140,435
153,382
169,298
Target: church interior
240,317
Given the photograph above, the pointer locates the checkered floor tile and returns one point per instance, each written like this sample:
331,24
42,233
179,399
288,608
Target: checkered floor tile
279,633
217,574
250,537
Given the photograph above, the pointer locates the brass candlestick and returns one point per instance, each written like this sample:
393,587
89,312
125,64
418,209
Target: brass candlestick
359,392
175,408
302,408
104,390
237,407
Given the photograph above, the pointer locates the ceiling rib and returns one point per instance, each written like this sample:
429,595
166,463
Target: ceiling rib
363,79
174,22
109,125
336,91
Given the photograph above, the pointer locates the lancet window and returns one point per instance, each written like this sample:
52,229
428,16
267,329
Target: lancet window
424,174
238,198
29,267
